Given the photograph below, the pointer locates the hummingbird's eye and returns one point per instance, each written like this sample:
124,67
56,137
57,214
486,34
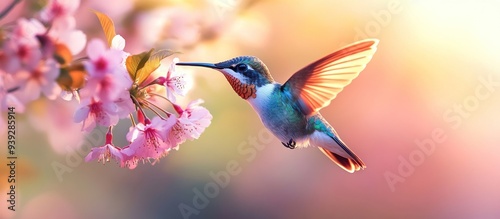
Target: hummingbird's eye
241,68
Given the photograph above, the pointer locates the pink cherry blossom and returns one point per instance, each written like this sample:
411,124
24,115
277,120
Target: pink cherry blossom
63,29
190,124
8,99
104,153
118,43
34,54
27,30
75,40
148,141
92,112
60,13
108,77
41,79
174,82
102,60
129,159
124,104
195,119
177,135
22,49
106,88
8,62
20,54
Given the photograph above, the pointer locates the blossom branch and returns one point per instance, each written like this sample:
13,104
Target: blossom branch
9,8
108,83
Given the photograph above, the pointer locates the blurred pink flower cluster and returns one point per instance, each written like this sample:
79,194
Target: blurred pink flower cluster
37,58
28,58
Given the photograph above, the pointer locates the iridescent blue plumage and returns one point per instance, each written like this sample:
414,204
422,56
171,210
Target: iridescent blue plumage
258,74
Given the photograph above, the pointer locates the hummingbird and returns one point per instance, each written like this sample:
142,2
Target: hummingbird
291,110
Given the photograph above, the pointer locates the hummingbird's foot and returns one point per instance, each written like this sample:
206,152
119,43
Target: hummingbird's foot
290,144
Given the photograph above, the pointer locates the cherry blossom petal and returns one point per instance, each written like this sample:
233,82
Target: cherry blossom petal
31,90
125,106
81,114
95,48
106,88
134,132
148,141
118,42
104,153
51,91
193,120
59,9
101,113
27,30
75,40
95,153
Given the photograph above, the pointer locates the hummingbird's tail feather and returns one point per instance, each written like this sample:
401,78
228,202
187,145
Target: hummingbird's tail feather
348,164
338,152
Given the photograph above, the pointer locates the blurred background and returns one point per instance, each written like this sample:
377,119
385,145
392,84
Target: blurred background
423,116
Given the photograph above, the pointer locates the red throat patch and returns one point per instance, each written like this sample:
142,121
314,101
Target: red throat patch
245,91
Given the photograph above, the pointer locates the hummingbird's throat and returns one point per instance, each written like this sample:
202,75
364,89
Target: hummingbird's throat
245,91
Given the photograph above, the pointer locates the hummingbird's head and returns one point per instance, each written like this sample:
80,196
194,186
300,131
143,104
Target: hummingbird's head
245,74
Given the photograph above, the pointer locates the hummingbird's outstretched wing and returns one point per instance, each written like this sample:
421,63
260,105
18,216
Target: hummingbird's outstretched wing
315,85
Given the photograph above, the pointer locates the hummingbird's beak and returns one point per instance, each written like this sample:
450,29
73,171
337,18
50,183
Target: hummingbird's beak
199,64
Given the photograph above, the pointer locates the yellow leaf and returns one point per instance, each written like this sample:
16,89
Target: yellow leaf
152,64
161,54
136,62
107,26
140,66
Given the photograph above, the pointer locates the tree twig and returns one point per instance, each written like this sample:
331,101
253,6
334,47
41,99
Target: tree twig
9,8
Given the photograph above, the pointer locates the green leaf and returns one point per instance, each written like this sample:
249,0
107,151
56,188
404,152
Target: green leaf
107,26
